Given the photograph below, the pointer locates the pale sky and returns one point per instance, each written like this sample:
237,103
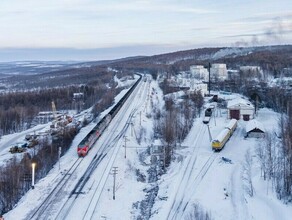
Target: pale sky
111,29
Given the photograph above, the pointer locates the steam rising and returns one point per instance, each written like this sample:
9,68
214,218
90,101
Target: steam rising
273,34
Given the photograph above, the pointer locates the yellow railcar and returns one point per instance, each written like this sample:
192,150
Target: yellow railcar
219,142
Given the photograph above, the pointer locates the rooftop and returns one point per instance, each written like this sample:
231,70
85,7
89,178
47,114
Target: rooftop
239,102
254,124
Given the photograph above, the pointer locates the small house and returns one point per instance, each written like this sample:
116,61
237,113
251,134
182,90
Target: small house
255,129
240,109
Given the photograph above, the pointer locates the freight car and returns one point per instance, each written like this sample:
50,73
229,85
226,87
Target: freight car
219,142
86,144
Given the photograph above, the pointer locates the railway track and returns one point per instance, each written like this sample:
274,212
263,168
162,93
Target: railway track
41,211
184,203
78,189
109,149
187,185
91,210
192,186
46,208
186,175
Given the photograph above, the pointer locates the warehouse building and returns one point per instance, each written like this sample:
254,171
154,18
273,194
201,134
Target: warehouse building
240,109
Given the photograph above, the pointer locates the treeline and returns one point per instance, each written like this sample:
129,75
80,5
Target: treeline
18,109
275,153
275,156
26,95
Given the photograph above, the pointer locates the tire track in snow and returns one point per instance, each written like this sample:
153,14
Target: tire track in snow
237,197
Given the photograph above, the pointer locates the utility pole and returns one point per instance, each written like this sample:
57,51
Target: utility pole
115,171
256,107
132,124
59,155
125,146
140,118
210,137
164,157
215,110
209,83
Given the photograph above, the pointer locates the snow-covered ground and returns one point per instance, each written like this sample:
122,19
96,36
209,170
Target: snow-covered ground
198,175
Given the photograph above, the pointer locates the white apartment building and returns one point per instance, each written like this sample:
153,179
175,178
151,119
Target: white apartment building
202,87
198,71
250,68
251,71
218,71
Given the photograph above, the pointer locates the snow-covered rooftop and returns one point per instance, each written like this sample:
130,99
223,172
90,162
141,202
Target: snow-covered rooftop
254,124
240,102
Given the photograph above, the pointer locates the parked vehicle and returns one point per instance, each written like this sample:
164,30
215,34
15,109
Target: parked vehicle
16,149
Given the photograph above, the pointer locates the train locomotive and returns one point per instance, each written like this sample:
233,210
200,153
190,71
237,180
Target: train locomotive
208,114
219,142
86,144
92,136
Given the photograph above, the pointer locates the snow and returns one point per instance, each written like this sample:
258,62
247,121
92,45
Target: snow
197,175
231,124
240,102
220,137
254,124
7,141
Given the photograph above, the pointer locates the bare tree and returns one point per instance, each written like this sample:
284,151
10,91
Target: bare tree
247,174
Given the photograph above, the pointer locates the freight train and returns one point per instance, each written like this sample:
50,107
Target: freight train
219,142
86,144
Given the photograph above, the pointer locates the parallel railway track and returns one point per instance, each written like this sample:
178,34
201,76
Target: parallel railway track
40,212
46,208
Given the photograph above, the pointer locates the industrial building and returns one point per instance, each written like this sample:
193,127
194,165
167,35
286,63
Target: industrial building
240,109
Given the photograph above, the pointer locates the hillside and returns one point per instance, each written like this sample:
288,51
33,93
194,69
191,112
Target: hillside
270,58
